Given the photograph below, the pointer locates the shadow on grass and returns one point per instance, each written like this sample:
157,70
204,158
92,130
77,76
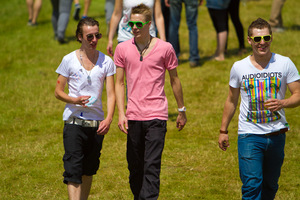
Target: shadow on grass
294,27
229,54
173,116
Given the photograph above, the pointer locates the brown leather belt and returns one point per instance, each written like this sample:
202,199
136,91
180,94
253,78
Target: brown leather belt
281,131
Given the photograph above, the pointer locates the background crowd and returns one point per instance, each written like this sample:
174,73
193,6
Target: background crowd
214,55
168,15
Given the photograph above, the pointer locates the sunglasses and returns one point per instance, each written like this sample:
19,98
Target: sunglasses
257,39
138,24
90,37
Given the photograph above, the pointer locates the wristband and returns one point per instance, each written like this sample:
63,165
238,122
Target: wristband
183,109
224,132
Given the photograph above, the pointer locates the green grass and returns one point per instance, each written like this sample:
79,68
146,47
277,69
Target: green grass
193,167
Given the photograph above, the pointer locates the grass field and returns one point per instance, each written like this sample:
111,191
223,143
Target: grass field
193,167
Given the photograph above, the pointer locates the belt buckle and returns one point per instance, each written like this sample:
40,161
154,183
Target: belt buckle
89,123
86,123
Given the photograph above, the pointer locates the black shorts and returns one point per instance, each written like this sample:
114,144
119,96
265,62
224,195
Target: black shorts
219,19
82,152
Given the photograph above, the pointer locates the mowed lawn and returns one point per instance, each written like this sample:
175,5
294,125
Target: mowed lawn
193,167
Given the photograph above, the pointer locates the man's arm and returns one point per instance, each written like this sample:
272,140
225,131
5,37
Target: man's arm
291,102
61,95
111,101
228,113
177,91
120,97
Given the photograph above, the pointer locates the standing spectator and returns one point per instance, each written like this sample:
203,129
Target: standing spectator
166,13
261,79
77,9
109,9
144,59
85,71
191,7
219,14
60,18
123,9
34,7
275,17
234,11
86,8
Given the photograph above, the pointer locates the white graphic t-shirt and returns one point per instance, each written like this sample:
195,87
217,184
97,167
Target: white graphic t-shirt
256,87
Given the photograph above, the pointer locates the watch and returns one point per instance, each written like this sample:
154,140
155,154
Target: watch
183,109
224,132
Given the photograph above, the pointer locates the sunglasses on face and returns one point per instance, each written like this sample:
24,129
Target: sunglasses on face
138,24
90,37
257,39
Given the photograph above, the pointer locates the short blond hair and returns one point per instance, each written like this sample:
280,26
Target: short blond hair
143,10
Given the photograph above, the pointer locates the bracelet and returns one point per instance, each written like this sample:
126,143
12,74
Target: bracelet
224,132
183,109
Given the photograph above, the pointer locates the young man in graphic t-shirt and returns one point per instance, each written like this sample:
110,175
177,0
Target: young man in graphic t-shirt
145,59
261,79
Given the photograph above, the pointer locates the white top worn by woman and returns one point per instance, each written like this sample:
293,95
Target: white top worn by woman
124,32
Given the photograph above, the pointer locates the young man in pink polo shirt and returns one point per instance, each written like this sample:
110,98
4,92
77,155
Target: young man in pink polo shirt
144,59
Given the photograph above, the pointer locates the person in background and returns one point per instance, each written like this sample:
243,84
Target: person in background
191,7
123,9
77,9
276,17
60,18
234,12
85,70
261,80
34,7
166,13
144,60
219,15
109,9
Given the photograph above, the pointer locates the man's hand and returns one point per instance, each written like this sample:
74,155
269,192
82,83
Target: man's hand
181,121
273,105
123,124
223,141
104,127
82,100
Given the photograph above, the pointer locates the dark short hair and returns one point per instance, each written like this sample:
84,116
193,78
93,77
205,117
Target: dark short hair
259,24
143,10
88,21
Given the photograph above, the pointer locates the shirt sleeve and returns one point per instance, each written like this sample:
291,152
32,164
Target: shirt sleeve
111,68
171,61
293,74
63,69
234,78
118,57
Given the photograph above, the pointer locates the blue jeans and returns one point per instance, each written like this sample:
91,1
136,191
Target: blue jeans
191,7
260,161
60,16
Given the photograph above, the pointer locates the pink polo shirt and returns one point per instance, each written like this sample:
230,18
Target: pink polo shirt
146,79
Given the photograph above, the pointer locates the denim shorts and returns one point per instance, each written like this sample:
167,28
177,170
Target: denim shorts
82,152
